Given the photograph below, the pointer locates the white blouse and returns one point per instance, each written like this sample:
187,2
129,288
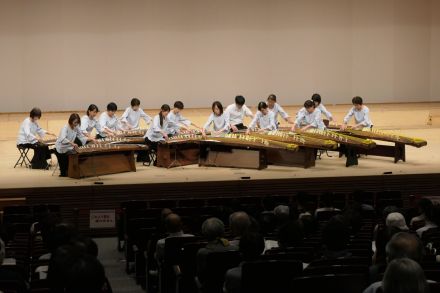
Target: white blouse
304,118
87,125
266,122
219,123
28,132
154,133
107,122
133,117
361,116
68,135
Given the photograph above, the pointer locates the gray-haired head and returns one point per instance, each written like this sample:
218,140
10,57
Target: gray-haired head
281,212
213,228
404,275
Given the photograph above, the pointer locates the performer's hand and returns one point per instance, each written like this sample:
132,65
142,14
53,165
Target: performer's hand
248,131
234,128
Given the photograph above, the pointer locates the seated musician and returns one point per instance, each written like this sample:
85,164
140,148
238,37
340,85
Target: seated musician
158,131
108,121
316,98
235,114
65,143
308,118
360,113
89,122
31,135
264,120
176,121
132,115
218,121
276,108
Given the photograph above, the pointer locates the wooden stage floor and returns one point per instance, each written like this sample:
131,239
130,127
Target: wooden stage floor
418,120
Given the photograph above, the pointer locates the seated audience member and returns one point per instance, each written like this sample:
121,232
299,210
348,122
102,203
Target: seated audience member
385,212
239,222
173,225
290,235
383,235
335,237
213,229
326,203
282,215
9,273
309,225
401,245
359,198
404,276
424,208
73,270
431,221
251,247
396,220
58,235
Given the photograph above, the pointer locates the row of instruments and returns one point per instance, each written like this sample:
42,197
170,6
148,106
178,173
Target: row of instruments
255,150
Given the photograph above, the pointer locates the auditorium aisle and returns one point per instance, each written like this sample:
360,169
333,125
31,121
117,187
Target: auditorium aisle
114,265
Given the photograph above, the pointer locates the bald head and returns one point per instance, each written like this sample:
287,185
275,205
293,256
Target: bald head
173,223
404,244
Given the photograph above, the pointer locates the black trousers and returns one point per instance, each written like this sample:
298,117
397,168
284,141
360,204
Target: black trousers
240,126
63,163
41,155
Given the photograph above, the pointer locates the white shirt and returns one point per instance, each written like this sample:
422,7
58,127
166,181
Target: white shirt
154,133
68,135
28,131
219,123
304,118
174,121
133,117
235,116
107,122
324,111
266,122
361,116
87,125
277,109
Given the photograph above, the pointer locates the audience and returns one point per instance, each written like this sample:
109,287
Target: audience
326,204
239,222
396,220
335,237
404,275
251,247
431,220
8,273
401,245
173,225
424,208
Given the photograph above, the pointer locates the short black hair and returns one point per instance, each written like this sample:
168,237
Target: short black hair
135,102
219,106
73,117
262,105
35,112
272,97
240,100
309,104
357,100
112,107
178,105
92,108
316,98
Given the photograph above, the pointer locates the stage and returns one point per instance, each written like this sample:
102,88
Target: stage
419,175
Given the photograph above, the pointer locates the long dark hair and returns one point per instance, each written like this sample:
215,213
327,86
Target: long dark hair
219,106
164,108
73,117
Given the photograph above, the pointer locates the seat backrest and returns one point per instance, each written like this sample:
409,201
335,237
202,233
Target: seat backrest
344,283
269,275
174,248
336,269
217,263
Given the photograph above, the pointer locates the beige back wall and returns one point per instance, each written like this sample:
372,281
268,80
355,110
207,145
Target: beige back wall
66,54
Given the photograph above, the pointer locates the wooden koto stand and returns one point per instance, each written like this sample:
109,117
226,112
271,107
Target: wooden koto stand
102,162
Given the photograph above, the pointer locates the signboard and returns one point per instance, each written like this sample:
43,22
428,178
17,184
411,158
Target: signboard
102,219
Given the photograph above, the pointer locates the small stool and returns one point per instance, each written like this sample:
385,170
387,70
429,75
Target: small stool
23,159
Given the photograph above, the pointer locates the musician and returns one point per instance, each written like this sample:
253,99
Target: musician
30,135
89,122
276,108
176,121
108,121
235,114
158,131
360,113
316,98
264,119
217,119
132,115
308,117
65,143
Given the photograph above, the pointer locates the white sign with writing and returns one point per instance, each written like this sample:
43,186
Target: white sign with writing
102,219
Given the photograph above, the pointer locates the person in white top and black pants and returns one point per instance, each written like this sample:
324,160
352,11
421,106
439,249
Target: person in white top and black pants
133,114
65,143
217,120
276,108
108,121
30,135
89,122
235,114
158,131
264,120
